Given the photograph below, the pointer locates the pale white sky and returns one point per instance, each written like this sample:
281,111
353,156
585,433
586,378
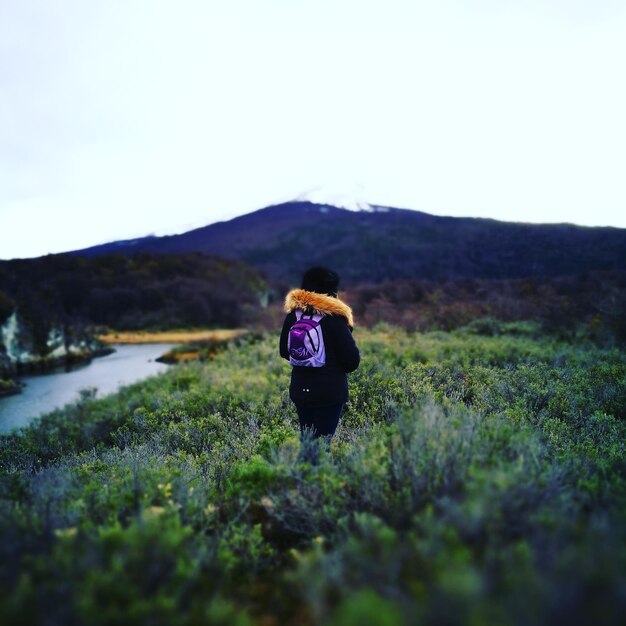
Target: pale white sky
121,118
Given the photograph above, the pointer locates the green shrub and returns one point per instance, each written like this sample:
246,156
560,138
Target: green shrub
473,479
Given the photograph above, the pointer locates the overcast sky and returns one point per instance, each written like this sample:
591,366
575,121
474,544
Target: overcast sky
122,118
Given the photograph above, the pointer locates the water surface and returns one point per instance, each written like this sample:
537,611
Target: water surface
45,392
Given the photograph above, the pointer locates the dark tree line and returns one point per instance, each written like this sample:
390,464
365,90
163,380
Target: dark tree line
129,292
591,304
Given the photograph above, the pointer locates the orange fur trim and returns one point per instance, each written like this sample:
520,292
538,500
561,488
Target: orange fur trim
320,303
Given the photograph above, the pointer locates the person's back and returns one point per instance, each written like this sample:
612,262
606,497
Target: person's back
320,392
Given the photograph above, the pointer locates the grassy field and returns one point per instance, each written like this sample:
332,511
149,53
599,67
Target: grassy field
473,480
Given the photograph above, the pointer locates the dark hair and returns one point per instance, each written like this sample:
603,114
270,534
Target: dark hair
321,280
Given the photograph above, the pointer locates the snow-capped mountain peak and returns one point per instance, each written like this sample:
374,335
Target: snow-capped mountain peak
353,199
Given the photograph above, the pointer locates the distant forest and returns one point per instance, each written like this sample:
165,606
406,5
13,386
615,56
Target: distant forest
129,292
589,305
159,292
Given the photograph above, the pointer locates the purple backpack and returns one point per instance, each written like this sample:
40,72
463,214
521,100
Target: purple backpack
306,342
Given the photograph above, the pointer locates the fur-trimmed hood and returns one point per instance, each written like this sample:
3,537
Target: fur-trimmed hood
320,303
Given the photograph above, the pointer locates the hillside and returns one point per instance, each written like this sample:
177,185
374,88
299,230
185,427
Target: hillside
53,303
388,243
416,269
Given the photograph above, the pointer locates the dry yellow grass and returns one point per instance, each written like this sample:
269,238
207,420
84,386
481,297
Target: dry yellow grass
170,336
185,356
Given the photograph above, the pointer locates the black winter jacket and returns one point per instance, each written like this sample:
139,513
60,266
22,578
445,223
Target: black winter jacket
327,385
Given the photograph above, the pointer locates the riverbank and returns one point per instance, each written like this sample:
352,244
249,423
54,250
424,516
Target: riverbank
45,365
171,336
203,349
39,395
9,388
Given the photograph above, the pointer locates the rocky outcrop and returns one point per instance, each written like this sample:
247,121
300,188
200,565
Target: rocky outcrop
20,353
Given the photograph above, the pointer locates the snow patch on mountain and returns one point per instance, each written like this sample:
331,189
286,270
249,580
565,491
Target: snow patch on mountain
352,197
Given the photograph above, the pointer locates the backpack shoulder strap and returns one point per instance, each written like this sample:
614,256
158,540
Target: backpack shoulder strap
307,314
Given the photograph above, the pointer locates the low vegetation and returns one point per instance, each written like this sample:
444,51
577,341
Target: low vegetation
584,306
477,477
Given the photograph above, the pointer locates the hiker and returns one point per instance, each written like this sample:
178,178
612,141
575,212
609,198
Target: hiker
317,340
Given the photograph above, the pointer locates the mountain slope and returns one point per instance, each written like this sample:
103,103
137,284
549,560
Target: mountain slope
388,243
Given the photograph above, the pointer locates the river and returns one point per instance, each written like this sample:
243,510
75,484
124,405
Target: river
45,392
